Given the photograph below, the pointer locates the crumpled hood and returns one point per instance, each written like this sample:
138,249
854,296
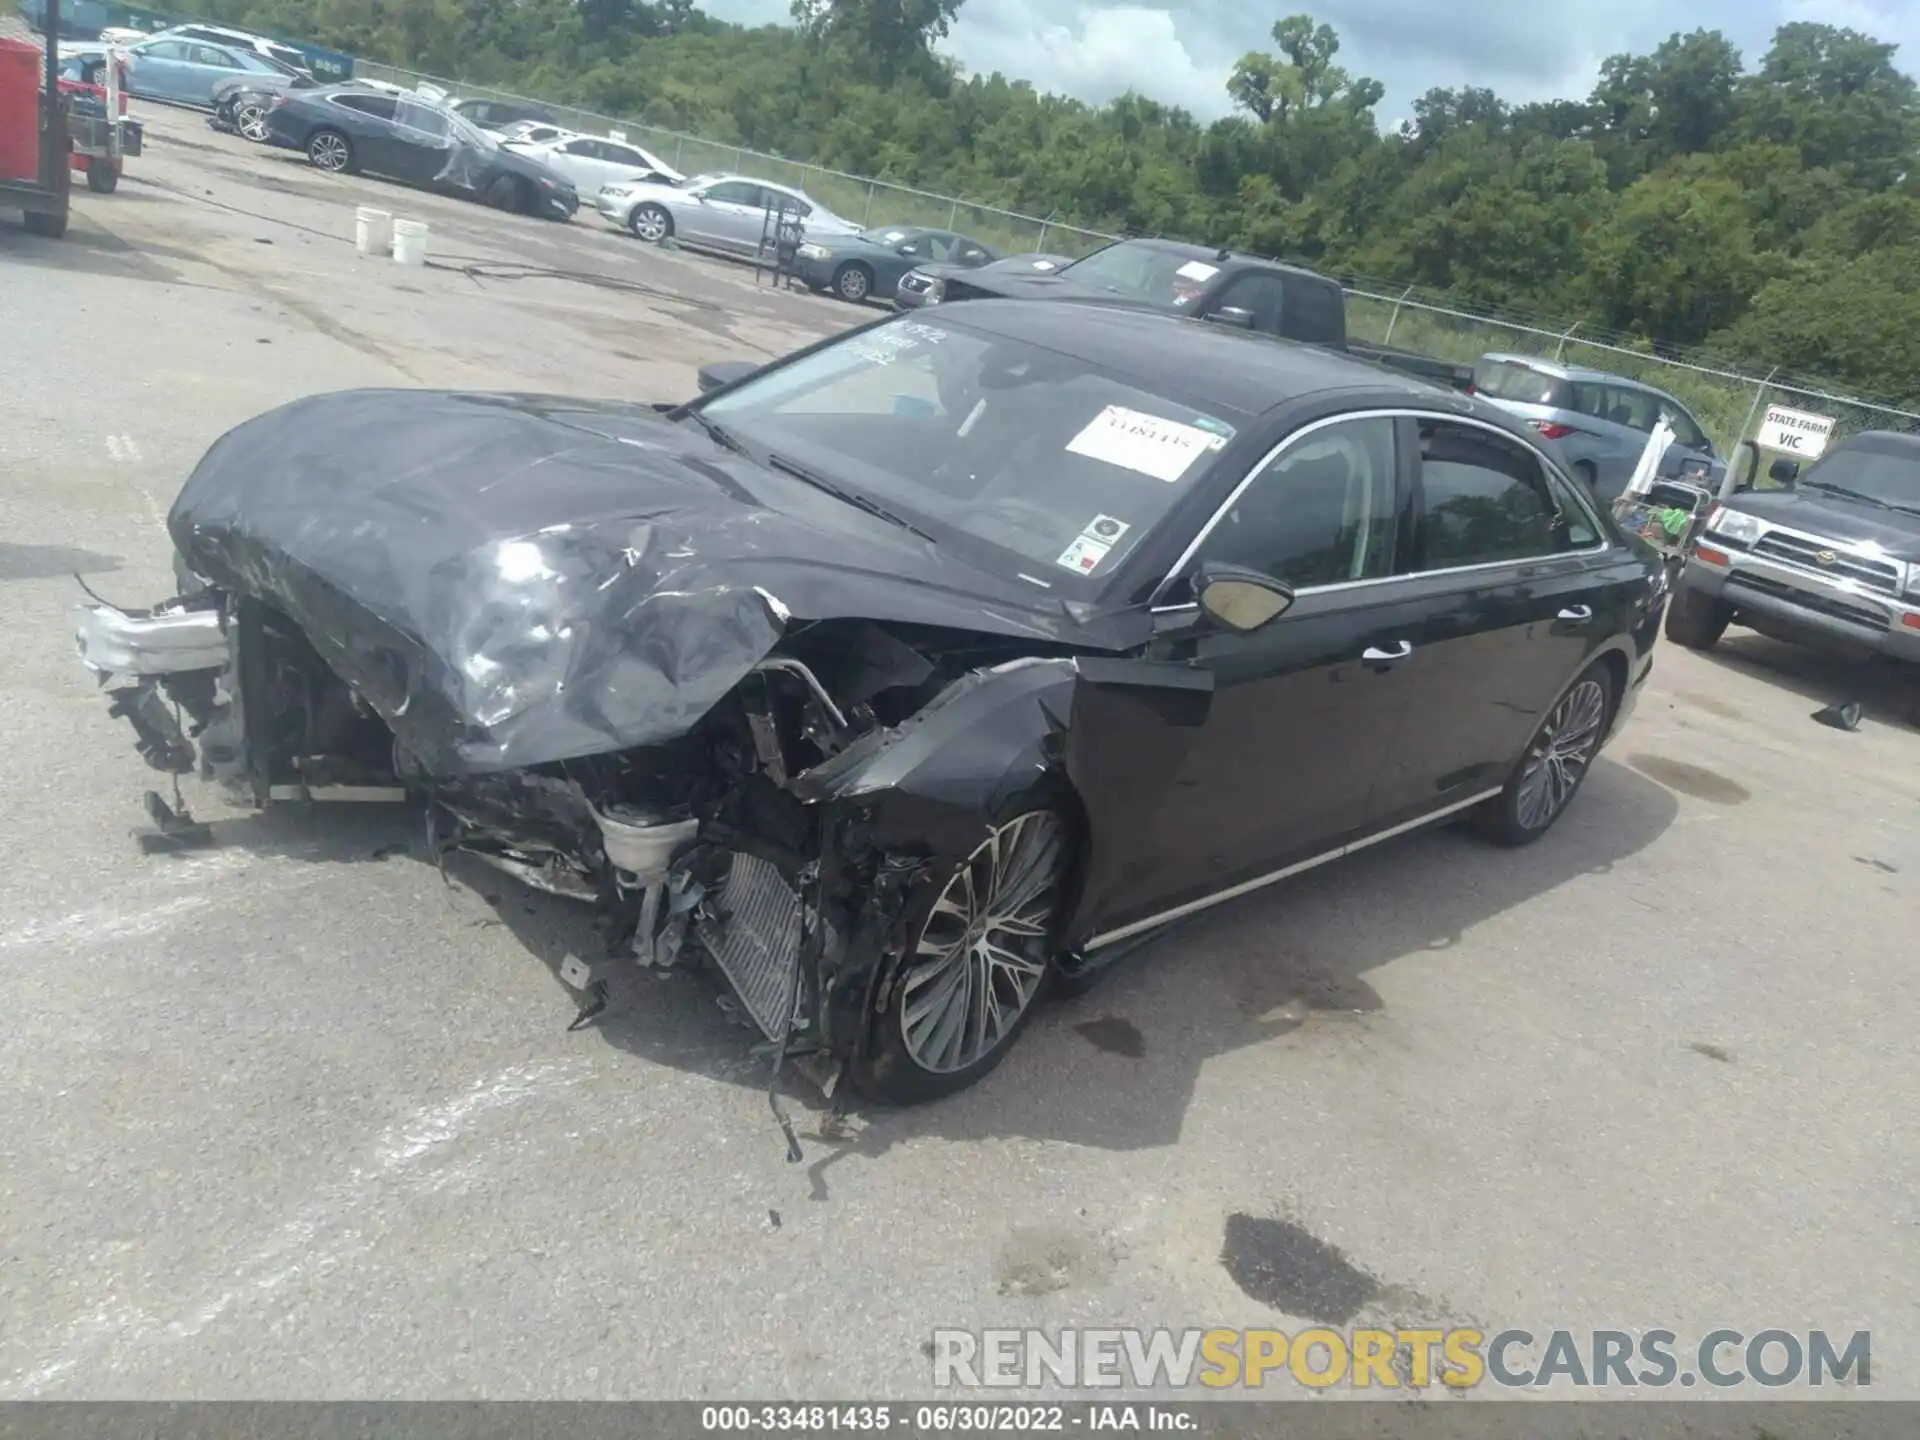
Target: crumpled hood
1833,517
510,580
1035,285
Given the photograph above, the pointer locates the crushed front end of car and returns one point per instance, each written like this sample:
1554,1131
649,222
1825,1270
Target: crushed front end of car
594,678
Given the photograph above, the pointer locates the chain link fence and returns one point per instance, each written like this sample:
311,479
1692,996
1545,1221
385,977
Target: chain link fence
1726,400
854,197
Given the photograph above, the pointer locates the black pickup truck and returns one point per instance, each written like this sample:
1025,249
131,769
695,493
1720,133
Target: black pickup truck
1213,284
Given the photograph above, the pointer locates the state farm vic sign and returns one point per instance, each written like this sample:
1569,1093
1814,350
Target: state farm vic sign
1795,432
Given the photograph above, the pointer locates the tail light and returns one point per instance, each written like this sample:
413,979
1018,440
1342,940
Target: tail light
1550,430
1470,389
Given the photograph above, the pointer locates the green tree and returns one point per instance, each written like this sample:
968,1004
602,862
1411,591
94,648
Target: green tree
885,39
1675,260
1835,96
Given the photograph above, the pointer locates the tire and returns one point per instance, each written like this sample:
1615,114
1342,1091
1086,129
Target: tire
1696,621
250,122
54,227
102,178
1555,763
929,1041
330,151
507,193
853,283
651,223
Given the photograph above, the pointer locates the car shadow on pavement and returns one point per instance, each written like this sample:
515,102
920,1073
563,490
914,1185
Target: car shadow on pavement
1886,692
84,249
1116,1067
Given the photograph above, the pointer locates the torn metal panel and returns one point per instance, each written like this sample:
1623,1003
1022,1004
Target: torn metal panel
151,642
513,580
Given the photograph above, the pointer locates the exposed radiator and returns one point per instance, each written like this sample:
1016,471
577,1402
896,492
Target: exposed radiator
756,942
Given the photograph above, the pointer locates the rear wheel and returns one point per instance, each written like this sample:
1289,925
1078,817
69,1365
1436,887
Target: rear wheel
979,962
49,225
331,151
1555,764
853,283
650,223
1695,620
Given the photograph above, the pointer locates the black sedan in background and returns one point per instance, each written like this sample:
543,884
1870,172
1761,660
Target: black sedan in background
905,674
344,129
861,267
917,285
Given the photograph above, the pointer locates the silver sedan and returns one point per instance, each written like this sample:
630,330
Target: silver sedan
728,213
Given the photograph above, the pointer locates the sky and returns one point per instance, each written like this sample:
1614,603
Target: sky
1181,51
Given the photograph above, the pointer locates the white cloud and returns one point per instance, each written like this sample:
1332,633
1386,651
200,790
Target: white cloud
1181,51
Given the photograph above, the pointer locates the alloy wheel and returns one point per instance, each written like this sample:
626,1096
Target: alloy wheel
853,283
650,224
328,152
1558,758
982,952
251,122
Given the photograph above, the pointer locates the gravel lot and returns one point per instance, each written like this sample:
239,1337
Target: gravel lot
293,1118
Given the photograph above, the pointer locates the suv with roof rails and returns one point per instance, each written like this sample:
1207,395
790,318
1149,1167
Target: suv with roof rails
1598,423
1831,559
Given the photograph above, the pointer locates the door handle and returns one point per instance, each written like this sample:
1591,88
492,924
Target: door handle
1577,612
1377,655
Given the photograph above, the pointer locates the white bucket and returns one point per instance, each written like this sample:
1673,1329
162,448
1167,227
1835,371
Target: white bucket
410,241
372,231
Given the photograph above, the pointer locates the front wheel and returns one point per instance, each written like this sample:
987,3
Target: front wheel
331,151
505,193
1555,764
1695,620
102,178
251,121
853,283
979,961
650,223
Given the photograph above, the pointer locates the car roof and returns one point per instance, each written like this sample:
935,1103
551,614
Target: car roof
1223,365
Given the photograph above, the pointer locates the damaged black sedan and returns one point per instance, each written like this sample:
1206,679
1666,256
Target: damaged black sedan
903,676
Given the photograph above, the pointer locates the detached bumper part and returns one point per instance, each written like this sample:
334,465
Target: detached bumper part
160,642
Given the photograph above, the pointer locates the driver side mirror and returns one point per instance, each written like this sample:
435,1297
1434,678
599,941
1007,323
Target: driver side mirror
1785,471
724,372
1238,598
1232,315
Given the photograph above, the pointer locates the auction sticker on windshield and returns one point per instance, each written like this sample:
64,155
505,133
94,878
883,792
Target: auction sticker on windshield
1093,544
1194,270
1146,444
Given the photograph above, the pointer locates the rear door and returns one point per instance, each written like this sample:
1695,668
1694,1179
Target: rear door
582,160
368,123
1515,586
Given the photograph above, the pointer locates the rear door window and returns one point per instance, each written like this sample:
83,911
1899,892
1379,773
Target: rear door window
1520,383
1486,499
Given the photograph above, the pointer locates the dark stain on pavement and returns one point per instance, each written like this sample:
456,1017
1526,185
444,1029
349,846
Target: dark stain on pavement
1694,780
1281,1265
1882,866
1114,1035
44,562
1712,1052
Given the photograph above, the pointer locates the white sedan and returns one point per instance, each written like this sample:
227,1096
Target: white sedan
729,213
591,161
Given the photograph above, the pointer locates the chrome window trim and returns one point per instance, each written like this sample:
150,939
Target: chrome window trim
1233,892
1173,575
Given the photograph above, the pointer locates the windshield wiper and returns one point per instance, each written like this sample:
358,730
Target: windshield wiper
717,433
1860,495
850,497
